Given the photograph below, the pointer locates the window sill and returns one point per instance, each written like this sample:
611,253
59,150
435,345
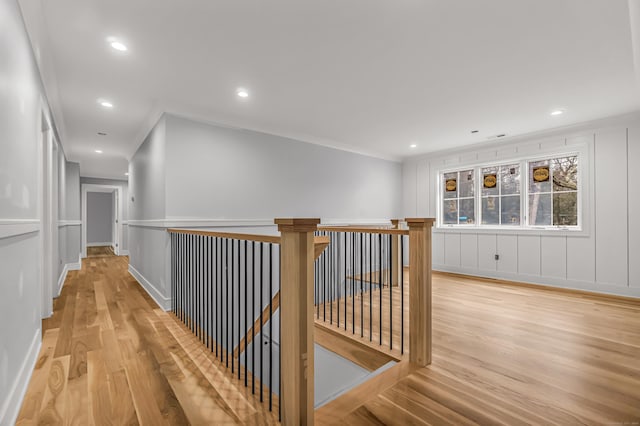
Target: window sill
556,232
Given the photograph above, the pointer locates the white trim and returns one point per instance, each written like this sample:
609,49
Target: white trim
124,252
199,223
75,266
110,244
63,276
14,227
62,223
595,287
90,187
11,408
61,279
221,223
163,302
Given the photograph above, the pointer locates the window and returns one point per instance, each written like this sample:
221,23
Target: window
459,202
553,192
501,195
537,192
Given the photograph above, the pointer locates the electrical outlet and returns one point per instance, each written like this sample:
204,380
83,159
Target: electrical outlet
496,257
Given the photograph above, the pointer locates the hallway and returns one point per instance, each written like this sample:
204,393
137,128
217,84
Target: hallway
110,356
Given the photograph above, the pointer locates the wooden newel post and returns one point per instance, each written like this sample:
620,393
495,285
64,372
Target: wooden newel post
296,317
420,290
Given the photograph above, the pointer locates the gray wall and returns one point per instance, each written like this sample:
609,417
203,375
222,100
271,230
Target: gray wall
190,170
217,172
100,217
70,232
20,305
147,177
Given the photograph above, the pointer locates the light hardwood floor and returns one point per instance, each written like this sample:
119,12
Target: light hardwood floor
110,356
504,354
501,355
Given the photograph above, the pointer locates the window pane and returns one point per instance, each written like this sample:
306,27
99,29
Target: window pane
510,179
467,213
539,176
450,212
466,183
489,181
510,206
450,185
540,209
491,211
565,209
565,173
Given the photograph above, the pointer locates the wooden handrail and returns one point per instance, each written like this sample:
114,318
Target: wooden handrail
364,230
231,235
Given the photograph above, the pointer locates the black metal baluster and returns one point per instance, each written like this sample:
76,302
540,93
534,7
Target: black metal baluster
261,309
380,280
390,292
353,283
401,294
246,315
233,318
345,281
253,316
370,287
216,293
361,281
226,313
325,281
270,326
238,306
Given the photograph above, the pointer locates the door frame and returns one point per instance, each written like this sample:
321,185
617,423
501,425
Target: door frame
117,222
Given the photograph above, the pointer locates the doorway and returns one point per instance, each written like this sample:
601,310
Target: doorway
101,224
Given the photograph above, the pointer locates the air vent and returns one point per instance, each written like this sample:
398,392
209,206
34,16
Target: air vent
501,135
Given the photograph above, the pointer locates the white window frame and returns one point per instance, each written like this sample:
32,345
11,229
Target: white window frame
582,151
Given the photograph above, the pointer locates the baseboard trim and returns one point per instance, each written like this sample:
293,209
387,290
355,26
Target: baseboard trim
68,267
100,244
62,278
11,407
163,302
75,266
566,288
124,252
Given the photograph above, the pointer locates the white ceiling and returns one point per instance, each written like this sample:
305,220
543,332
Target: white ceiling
365,75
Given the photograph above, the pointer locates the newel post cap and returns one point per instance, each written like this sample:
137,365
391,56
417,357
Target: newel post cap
297,224
420,222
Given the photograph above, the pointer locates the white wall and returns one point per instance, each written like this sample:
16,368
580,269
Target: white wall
190,174
218,172
21,102
602,258
100,218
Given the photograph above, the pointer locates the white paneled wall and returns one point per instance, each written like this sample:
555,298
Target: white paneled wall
634,206
603,257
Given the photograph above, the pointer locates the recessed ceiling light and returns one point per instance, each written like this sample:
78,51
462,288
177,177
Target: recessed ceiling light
242,93
557,112
106,104
413,145
98,151
116,44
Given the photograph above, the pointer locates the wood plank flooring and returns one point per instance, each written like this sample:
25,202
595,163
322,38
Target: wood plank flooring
110,356
98,251
511,355
501,355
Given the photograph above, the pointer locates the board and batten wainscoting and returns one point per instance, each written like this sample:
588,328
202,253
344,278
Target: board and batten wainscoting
602,257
